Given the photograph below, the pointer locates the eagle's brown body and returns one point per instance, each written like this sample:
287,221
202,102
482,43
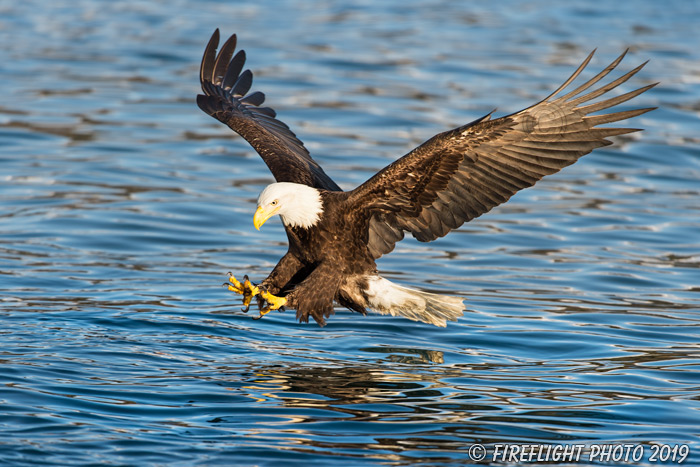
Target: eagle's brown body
450,179
312,276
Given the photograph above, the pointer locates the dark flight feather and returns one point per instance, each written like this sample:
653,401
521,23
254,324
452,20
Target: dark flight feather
461,174
225,86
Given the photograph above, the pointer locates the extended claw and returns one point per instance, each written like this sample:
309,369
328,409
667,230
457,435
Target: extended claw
245,288
263,311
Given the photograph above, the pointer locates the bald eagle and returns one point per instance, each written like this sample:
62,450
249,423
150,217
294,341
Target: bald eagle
336,236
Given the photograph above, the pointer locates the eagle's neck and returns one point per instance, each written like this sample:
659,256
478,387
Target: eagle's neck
303,208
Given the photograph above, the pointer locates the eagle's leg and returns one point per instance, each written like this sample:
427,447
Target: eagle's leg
315,295
245,288
287,267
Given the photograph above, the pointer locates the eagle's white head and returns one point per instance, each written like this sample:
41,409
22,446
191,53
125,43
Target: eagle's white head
297,205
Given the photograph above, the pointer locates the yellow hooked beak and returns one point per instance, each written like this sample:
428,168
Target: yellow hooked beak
261,216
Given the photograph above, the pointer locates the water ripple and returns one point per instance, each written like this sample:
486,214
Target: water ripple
124,207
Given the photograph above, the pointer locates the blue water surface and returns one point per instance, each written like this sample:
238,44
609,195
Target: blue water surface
123,207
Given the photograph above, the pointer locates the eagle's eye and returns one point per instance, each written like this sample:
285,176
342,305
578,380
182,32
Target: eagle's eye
274,203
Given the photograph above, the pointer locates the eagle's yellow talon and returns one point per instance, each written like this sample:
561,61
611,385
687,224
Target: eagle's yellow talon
237,286
249,288
263,311
233,288
245,288
246,302
274,302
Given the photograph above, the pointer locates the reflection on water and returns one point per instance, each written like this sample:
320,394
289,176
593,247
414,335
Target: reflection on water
438,413
123,207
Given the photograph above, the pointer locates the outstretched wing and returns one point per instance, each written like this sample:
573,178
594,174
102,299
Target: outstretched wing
226,98
461,174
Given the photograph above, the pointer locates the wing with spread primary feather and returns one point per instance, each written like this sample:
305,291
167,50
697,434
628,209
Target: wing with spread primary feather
225,86
461,174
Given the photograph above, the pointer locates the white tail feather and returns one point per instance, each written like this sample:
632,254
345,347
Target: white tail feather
387,298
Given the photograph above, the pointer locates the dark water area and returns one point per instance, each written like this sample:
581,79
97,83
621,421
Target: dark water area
123,206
